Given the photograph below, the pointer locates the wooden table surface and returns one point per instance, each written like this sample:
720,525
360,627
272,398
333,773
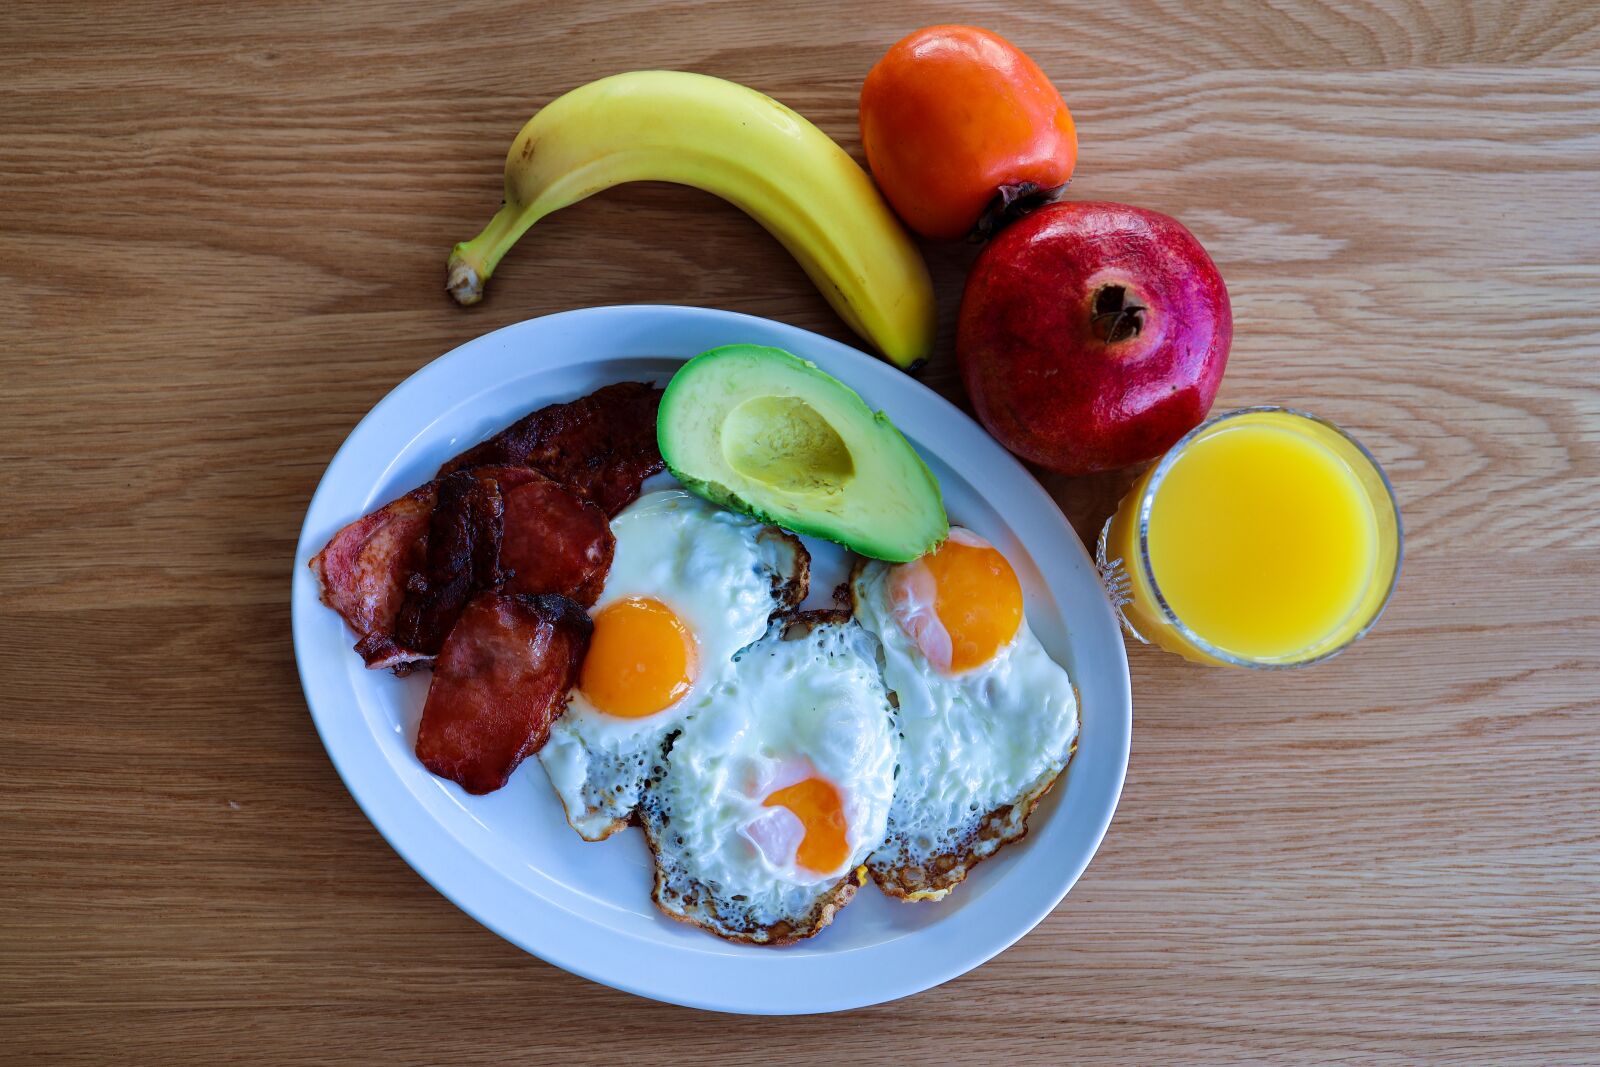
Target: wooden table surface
223,231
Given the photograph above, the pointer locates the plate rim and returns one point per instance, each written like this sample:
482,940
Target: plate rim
421,842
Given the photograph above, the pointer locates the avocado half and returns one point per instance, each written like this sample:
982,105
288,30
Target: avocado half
763,432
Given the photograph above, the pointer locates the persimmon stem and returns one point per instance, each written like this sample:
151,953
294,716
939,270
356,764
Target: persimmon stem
1010,202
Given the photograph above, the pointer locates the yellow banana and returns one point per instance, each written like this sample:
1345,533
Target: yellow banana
745,147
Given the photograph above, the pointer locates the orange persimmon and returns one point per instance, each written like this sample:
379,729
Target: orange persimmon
962,130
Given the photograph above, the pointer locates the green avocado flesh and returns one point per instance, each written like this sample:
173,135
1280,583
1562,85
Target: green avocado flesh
766,433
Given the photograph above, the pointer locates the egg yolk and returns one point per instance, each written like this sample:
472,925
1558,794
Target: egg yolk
961,604
641,659
818,807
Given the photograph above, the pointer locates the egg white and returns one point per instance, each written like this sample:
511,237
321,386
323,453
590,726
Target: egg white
715,570
794,707
972,743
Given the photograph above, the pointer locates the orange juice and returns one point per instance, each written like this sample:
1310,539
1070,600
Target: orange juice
1265,538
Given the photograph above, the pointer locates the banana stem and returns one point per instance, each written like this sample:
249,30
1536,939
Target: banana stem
471,262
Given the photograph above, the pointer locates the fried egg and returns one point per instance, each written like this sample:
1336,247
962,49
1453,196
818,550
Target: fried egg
987,720
778,789
689,586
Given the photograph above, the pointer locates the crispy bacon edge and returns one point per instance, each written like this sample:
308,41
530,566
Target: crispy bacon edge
361,574
602,446
368,570
499,682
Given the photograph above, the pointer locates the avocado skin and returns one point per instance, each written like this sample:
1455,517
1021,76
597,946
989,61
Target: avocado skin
915,483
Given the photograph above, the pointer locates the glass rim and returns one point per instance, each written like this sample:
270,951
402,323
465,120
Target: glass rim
1170,617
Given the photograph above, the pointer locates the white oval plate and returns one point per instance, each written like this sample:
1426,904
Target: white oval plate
509,860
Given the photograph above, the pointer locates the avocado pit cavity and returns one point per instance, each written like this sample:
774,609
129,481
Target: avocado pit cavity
784,443
768,434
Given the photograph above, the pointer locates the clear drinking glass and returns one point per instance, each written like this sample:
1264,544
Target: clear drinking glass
1266,537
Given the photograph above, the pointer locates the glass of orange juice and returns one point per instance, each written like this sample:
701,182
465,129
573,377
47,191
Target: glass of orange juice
1266,538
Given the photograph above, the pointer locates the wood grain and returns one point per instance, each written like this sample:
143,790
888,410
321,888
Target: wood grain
222,231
